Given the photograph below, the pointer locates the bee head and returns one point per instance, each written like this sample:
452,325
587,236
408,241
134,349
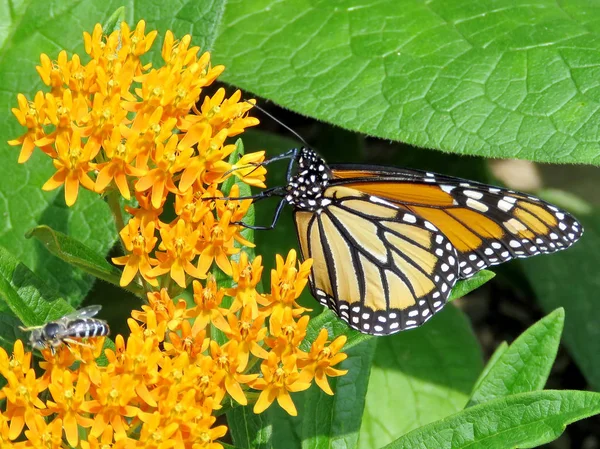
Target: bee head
37,340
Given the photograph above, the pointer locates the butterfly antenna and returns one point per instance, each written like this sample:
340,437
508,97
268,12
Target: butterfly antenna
276,120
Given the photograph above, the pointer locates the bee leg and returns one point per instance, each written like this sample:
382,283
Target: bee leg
77,342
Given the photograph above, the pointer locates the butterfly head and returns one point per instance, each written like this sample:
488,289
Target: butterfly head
305,189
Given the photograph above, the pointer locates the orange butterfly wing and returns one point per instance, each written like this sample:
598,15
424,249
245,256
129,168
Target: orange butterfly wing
487,225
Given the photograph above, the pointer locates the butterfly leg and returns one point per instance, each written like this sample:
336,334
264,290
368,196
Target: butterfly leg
282,203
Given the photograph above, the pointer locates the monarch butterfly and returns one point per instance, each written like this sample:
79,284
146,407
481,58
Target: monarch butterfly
388,244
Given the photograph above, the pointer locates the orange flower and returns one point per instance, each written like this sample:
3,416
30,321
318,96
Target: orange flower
247,276
72,165
22,401
118,168
211,151
112,405
208,306
204,435
140,242
217,243
45,435
248,333
178,246
67,403
227,362
158,433
193,343
321,359
223,113
249,169
165,309
280,377
168,161
288,335
287,283
19,363
32,115
192,206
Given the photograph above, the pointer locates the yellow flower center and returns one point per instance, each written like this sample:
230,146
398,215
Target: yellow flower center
68,395
213,111
23,391
205,437
75,154
121,151
179,244
157,436
14,364
139,241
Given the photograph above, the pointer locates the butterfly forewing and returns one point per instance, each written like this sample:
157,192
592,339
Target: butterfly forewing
380,267
487,225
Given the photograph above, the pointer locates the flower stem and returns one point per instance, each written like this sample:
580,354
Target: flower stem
115,208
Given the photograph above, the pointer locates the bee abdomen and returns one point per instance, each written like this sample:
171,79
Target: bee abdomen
88,327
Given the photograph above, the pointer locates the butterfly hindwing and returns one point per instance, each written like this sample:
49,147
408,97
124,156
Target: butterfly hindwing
380,267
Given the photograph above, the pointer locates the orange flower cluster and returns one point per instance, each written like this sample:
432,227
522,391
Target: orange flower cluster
163,384
115,125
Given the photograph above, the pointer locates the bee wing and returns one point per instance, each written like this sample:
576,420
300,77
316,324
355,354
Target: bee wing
85,312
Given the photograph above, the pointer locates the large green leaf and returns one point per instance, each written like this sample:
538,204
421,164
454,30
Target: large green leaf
523,420
493,78
27,31
420,376
570,279
525,365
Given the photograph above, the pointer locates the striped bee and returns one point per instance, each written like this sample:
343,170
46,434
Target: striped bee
71,328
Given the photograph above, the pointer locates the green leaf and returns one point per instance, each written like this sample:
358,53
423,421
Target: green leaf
466,286
570,279
525,365
501,349
523,420
500,79
77,254
26,295
420,376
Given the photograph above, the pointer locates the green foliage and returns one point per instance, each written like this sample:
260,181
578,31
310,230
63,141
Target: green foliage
523,366
570,280
419,377
499,79
520,420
